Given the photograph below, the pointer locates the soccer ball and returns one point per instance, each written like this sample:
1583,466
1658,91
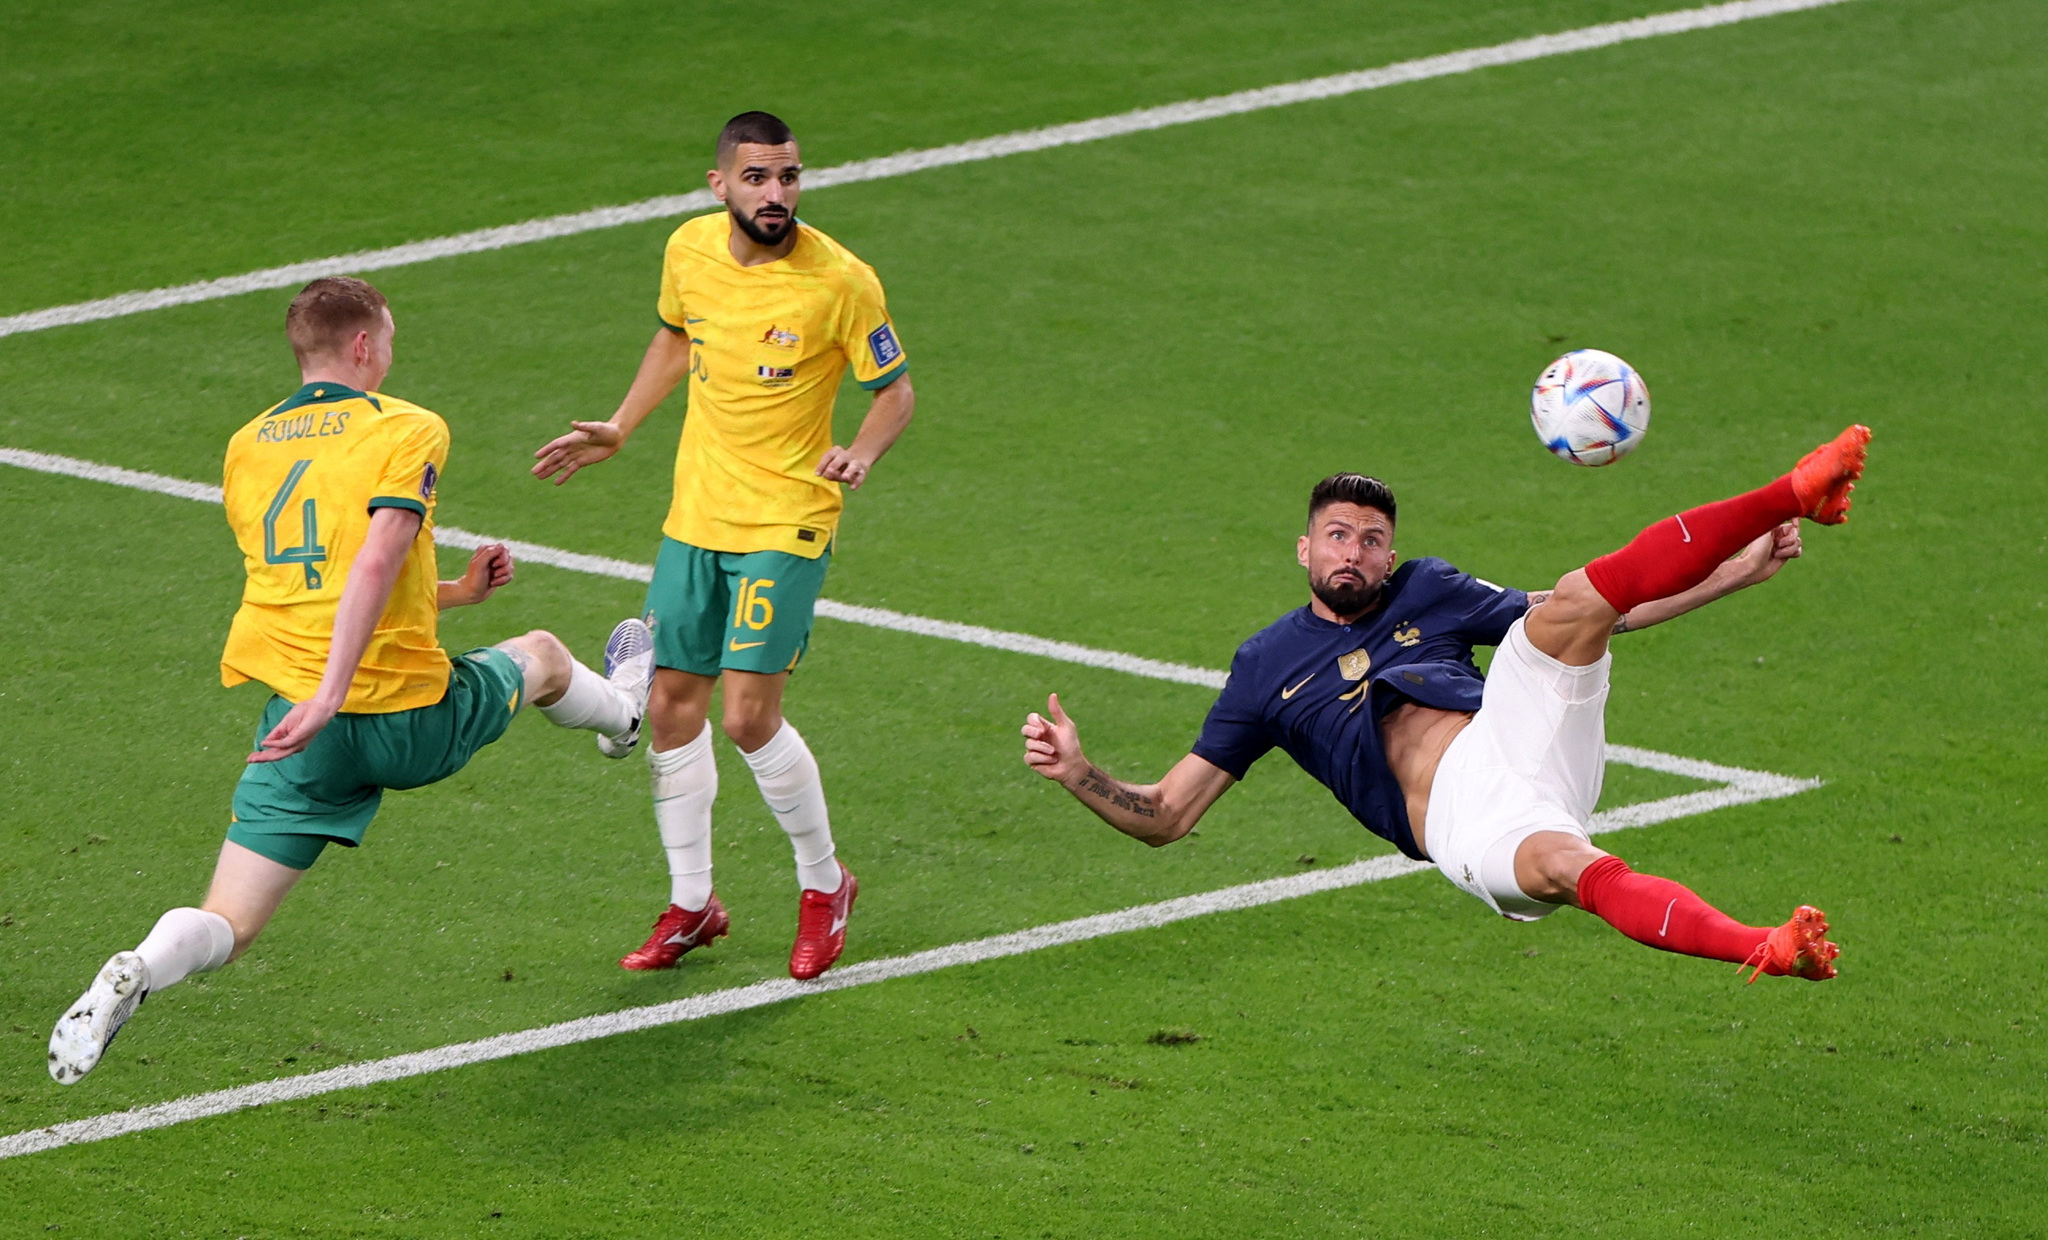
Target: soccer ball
1590,408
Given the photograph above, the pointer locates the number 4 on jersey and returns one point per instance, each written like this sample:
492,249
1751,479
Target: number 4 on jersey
309,551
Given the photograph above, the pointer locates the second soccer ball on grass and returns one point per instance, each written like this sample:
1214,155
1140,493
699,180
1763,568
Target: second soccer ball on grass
1590,407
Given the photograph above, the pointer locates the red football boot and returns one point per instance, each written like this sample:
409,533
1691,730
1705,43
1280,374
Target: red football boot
676,932
1824,477
1799,948
821,927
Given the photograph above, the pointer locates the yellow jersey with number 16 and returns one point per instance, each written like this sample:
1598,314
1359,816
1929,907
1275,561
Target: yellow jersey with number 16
300,483
768,346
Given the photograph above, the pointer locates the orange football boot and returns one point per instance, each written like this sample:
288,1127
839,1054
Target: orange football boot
1824,477
1799,948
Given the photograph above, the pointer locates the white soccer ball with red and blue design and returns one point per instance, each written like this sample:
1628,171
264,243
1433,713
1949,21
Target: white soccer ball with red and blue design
1590,407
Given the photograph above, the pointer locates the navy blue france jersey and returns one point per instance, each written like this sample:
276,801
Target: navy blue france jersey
1318,689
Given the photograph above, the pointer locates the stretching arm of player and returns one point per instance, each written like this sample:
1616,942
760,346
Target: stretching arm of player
489,569
363,599
1756,563
1157,813
887,417
663,366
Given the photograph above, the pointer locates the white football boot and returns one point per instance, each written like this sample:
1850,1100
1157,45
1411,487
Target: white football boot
629,665
85,1031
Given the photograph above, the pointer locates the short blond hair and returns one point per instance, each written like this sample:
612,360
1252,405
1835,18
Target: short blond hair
328,313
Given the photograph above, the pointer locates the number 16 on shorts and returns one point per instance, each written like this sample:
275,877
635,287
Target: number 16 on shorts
727,610
752,610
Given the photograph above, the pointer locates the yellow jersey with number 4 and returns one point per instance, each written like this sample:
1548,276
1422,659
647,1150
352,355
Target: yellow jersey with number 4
768,346
300,483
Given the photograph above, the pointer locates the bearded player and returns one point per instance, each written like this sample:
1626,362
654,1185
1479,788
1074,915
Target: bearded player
763,314
331,495
1371,688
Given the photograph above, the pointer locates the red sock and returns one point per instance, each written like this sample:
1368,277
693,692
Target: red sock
1679,552
1664,914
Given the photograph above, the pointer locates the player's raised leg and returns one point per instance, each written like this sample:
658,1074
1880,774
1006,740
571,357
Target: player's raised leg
1678,553
570,695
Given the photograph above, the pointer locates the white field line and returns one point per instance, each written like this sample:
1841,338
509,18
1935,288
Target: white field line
1748,786
1140,121
1740,787
626,570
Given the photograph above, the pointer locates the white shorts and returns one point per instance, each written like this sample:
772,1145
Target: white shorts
1531,760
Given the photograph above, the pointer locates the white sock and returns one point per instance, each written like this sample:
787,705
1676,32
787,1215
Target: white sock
788,776
186,941
591,702
685,784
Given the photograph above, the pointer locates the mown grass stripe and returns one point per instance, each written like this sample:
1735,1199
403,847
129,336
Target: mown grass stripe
1142,120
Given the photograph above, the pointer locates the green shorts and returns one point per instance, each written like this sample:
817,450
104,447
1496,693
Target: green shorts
327,793
748,611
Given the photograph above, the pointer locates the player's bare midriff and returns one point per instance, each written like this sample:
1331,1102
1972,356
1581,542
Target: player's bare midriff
1415,738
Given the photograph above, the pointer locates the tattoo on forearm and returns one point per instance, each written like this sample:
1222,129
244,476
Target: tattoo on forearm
1621,625
1102,787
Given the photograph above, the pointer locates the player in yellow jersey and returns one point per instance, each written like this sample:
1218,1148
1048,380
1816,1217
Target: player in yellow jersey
763,314
331,496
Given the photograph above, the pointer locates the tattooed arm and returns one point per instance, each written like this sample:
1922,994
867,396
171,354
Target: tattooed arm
1539,597
1155,813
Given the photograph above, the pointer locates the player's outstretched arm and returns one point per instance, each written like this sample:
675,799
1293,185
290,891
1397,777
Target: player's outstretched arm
363,599
663,366
489,570
887,417
1155,813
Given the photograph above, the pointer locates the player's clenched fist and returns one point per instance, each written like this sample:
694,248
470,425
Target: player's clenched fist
490,569
1052,747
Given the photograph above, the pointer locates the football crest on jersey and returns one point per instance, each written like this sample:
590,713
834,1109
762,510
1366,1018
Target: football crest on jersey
1407,634
777,338
1355,665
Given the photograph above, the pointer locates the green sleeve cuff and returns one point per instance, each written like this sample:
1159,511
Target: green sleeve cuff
680,331
398,501
887,377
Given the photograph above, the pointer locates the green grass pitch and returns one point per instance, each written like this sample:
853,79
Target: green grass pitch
1132,359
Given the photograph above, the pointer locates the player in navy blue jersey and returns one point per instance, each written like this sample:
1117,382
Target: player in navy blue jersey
1371,688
